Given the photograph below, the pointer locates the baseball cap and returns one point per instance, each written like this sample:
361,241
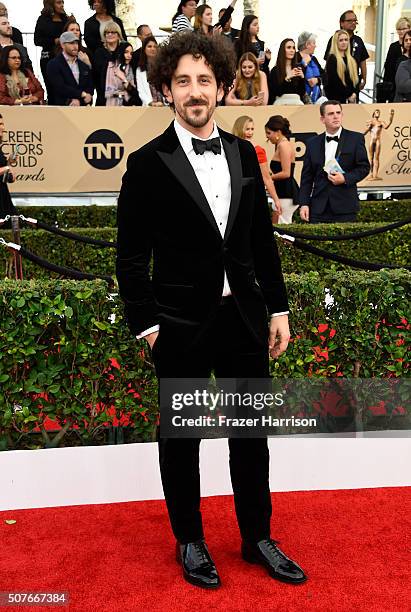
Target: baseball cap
68,37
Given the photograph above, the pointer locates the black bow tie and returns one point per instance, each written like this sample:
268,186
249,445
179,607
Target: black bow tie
200,146
330,138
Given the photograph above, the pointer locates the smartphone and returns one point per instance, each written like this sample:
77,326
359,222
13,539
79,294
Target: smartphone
260,94
261,55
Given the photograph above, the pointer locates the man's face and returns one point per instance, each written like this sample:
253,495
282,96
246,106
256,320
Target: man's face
349,23
332,118
193,91
5,27
71,48
3,10
145,33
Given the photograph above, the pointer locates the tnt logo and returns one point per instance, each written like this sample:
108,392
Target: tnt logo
300,141
104,149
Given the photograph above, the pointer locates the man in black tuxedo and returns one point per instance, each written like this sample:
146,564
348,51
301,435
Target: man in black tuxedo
195,199
70,78
332,197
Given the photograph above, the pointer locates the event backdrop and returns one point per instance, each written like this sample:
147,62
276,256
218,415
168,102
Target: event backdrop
73,150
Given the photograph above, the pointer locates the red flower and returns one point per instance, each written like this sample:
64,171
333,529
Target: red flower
332,333
115,363
379,409
322,327
399,410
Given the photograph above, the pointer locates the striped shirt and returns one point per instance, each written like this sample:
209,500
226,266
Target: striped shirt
181,23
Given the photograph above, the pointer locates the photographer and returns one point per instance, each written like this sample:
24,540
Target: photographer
7,175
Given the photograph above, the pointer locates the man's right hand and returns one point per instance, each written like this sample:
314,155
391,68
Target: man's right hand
87,97
151,338
305,213
74,102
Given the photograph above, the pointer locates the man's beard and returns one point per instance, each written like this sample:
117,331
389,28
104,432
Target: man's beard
197,119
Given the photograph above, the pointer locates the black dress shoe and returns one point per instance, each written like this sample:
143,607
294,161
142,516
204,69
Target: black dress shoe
198,566
266,553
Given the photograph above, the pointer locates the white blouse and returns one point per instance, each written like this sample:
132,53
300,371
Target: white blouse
143,87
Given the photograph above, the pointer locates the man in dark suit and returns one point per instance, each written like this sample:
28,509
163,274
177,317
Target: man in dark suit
331,196
216,276
70,78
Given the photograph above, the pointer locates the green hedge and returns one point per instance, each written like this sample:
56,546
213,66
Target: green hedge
58,340
390,247
105,216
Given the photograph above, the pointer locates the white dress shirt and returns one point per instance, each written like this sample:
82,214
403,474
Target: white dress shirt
331,147
213,174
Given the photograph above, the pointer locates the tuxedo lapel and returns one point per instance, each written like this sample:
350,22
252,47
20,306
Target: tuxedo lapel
340,144
172,154
232,153
322,150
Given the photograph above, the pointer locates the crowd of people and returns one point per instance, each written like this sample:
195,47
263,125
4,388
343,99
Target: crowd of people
107,71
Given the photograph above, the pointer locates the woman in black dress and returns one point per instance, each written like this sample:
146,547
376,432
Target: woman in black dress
282,165
341,71
104,11
248,42
49,28
287,77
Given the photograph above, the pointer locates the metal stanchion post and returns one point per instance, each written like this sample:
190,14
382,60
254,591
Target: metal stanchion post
18,266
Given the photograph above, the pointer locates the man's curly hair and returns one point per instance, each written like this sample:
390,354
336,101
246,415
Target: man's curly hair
217,52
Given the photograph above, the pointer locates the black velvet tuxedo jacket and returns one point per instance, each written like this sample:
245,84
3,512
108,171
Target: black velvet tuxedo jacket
316,189
163,213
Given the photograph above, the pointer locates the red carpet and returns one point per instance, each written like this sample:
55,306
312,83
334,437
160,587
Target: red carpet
355,546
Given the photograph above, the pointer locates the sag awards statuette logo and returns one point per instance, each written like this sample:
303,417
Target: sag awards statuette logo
104,149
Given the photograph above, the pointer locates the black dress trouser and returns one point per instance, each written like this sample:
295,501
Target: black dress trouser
328,216
230,349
